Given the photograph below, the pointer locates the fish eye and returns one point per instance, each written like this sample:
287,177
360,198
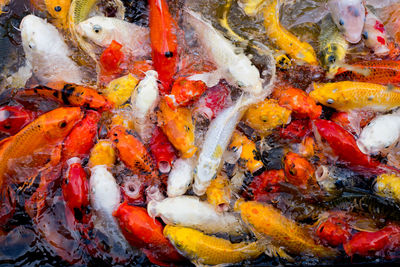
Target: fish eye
330,101
169,54
62,124
31,46
331,59
57,8
341,22
365,35
96,28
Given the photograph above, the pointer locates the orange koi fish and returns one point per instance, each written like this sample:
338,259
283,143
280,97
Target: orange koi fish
178,127
133,153
298,170
164,43
41,135
71,95
379,71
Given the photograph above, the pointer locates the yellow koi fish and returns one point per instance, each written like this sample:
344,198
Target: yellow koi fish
209,250
219,193
58,9
248,151
120,90
285,233
283,39
103,153
388,185
346,96
266,116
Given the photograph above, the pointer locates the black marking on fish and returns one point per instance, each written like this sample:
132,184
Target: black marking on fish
66,92
169,54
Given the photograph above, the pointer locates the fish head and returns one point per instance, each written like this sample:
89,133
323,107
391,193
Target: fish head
332,56
59,122
96,29
37,35
349,17
58,9
326,94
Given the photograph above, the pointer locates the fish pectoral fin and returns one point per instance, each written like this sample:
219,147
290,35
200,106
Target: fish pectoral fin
275,251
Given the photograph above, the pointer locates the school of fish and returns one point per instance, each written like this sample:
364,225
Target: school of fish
178,138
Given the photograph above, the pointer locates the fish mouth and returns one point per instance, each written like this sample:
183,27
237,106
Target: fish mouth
353,38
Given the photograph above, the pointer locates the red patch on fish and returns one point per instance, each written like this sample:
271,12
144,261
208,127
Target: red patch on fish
381,40
379,26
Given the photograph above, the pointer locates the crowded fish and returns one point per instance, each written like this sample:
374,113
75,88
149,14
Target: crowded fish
181,133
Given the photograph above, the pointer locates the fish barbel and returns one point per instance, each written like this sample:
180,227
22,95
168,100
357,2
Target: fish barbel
346,96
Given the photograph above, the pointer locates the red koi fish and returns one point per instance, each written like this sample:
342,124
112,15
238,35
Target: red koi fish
266,183
164,44
75,187
377,71
214,100
145,233
184,92
111,58
379,243
296,130
162,150
345,147
82,137
334,231
13,119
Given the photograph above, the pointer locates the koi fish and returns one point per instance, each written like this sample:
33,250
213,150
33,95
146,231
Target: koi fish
46,52
388,185
374,34
349,17
332,46
164,43
346,96
210,250
162,150
219,193
79,11
391,20
179,128
285,233
82,137
143,102
3,4
75,186
380,134
41,135
284,39
266,183
58,9
213,101
71,95
345,147
296,130
334,231
236,68
102,30
143,232
181,177
378,243
298,101
14,118
251,7
215,143
249,154
119,90
377,71
111,59
102,153
299,171
184,92
133,153
105,197
189,211
266,116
